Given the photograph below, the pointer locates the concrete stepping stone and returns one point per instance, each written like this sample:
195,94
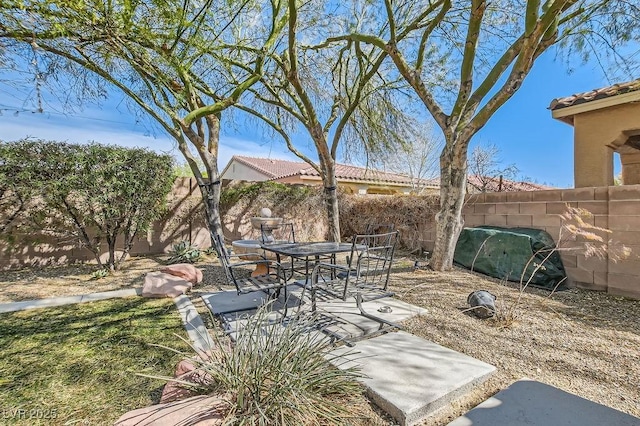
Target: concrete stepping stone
531,403
355,326
409,377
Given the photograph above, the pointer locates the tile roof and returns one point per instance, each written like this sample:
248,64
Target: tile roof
593,95
273,168
491,184
277,169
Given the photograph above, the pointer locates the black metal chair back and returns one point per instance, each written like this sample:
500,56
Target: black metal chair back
270,283
371,259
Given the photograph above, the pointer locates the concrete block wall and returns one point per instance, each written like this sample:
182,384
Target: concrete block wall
616,208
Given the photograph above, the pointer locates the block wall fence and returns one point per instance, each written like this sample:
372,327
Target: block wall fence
616,208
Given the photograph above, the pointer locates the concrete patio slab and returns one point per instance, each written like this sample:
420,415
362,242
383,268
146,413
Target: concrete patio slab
68,300
222,302
409,377
531,403
353,325
234,310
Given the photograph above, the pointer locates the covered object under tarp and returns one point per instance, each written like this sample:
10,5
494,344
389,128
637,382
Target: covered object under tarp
506,252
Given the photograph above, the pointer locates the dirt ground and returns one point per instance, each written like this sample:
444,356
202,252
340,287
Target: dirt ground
584,342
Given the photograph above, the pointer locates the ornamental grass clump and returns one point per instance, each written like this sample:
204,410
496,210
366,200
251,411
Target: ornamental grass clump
277,373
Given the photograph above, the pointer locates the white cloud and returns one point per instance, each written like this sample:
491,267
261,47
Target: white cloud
42,126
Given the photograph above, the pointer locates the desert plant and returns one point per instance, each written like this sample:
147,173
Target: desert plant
100,274
184,252
277,373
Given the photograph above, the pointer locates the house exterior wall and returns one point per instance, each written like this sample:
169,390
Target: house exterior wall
239,171
596,135
360,188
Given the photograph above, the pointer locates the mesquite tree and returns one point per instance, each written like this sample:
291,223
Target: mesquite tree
464,59
173,60
86,194
336,95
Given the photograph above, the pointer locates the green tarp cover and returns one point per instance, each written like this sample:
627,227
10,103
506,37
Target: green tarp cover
505,252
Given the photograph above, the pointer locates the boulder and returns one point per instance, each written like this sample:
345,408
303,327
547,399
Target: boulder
200,410
185,271
185,371
159,284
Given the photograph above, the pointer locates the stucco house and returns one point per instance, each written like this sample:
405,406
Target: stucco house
357,180
605,121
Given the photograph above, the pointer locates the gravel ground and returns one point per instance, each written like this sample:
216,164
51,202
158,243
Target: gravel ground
586,343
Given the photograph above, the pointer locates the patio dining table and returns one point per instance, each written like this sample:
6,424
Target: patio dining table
310,252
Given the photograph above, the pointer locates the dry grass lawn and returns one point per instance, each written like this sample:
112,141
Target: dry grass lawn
583,342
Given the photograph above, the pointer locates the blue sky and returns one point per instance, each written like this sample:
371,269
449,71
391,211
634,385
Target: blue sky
541,147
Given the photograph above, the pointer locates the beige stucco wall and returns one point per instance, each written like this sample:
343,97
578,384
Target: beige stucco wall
349,186
596,135
239,171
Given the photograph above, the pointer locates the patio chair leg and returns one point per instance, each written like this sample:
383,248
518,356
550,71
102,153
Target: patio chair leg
365,314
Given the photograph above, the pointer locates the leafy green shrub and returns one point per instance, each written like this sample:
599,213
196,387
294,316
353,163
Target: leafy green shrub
184,252
87,194
277,373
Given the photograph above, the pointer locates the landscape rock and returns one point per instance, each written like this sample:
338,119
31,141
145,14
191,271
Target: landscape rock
159,284
185,371
185,271
196,411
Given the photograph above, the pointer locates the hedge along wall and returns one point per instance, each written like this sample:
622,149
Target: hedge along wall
183,220
298,204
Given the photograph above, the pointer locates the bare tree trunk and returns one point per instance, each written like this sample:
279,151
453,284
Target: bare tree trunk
211,199
449,223
331,200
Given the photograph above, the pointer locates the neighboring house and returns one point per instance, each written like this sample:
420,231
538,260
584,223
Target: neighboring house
357,180
605,121
477,184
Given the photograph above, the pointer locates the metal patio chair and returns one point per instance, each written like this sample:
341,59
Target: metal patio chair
271,283
365,277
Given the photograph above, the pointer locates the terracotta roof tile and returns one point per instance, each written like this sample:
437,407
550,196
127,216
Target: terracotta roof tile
273,168
491,184
278,169
593,95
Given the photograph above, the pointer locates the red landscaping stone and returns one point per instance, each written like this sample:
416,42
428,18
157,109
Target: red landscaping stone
158,284
185,271
196,411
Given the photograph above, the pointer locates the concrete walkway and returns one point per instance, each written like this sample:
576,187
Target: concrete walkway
68,300
531,403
